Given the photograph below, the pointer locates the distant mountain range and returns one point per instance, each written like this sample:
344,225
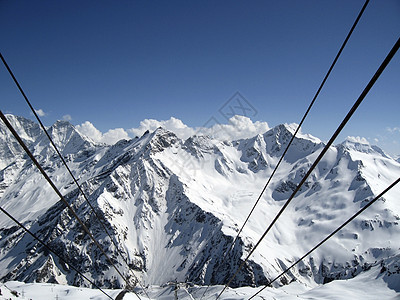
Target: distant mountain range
174,207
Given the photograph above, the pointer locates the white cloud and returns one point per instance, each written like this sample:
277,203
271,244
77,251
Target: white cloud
114,135
67,118
110,137
90,131
393,130
40,112
357,139
173,124
239,127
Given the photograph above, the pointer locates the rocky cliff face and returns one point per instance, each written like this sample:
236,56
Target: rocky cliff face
173,207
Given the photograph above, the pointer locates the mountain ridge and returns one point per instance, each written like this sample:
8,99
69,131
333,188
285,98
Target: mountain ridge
185,199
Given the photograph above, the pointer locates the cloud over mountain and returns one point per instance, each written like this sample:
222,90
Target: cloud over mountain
238,127
110,137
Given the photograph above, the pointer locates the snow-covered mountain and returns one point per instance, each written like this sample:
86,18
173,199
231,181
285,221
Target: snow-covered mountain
174,207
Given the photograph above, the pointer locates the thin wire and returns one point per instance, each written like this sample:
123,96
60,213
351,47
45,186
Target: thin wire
52,251
294,135
2,116
69,170
334,136
190,295
329,236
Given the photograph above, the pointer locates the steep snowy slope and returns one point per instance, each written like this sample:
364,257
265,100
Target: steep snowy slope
174,207
23,190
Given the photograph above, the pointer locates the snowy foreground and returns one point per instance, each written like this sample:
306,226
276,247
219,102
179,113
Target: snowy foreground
369,285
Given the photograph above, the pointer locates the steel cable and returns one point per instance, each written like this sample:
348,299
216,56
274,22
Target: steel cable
52,251
69,170
329,236
330,142
22,144
294,135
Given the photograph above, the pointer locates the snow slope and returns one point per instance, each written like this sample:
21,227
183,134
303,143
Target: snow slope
174,206
369,285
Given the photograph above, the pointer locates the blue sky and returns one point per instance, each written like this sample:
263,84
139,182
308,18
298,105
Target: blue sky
115,63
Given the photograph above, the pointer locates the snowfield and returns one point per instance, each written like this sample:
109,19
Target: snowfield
174,206
368,286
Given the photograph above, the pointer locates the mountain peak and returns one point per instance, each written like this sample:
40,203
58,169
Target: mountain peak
162,138
288,127
356,141
288,131
64,129
65,136
27,129
62,123
361,144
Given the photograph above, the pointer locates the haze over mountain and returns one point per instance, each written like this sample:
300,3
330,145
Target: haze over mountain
174,206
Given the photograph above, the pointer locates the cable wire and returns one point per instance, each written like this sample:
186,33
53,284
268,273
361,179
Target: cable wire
295,133
52,251
69,170
334,136
21,142
329,236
